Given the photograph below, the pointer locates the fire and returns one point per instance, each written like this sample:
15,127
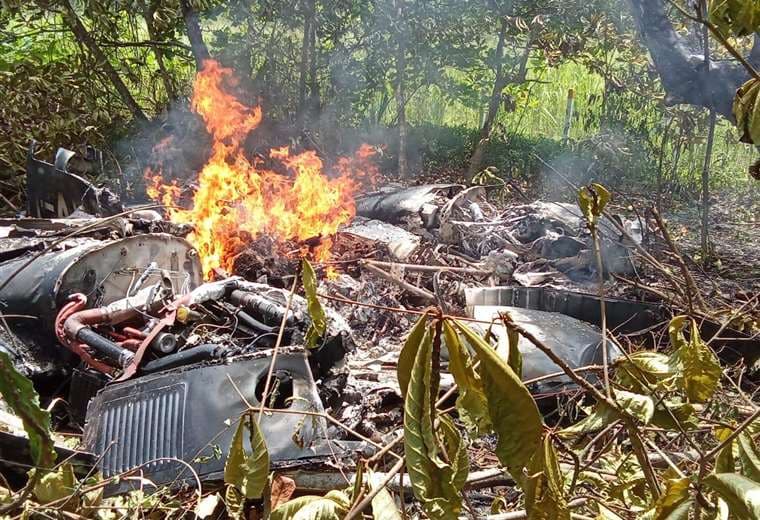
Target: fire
237,198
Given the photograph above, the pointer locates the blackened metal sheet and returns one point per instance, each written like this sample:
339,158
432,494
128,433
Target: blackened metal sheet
190,414
392,205
622,315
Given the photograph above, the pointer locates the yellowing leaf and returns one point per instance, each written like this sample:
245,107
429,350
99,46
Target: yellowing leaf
513,411
471,402
247,471
740,493
432,479
333,506
676,492
318,324
56,485
695,363
544,486
644,368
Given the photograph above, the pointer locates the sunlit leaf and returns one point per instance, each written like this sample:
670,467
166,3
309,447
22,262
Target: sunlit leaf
333,506
206,506
740,493
696,365
247,470
675,493
644,367
513,411
383,505
56,485
318,324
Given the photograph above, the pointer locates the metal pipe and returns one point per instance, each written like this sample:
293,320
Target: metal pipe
105,347
185,357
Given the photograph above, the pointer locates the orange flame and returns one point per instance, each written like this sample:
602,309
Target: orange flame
236,198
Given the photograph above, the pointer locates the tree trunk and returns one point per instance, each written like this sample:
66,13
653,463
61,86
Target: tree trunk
401,105
303,69
157,51
706,185
314,100
81,33
194,34
493,104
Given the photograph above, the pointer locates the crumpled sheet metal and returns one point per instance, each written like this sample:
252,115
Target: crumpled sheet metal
576,342
396,203
190,414
400,242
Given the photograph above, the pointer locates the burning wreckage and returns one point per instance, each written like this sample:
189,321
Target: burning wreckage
135,320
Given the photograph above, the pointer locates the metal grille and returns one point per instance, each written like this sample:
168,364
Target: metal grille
141,428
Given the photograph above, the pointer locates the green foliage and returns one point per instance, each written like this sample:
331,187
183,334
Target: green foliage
245,470
20,395
749,457
318,324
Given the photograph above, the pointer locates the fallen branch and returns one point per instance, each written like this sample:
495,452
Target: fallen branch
412,289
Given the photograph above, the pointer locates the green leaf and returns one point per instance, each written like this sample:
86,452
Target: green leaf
471,402
20,395
651,368
695,363
513,411
749,456
431,478
544,486
740,493
409,352
247,471
318,324
333,506
56,485
383,505
637,405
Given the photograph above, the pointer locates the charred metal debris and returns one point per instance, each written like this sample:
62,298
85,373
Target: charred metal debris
107,308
